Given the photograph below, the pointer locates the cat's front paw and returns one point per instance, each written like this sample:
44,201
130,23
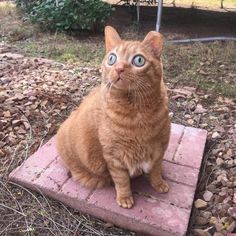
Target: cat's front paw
125,202
161,186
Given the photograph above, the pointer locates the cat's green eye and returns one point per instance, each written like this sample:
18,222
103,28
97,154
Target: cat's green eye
112,59
138,61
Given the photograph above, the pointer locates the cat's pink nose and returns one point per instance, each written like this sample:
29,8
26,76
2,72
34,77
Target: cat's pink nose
120,67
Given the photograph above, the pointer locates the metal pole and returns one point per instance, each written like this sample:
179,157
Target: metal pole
138,11
159,13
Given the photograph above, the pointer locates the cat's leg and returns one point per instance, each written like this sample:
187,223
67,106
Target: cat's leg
155,177
121,179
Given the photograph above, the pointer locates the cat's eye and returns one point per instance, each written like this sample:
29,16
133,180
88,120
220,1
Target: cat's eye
112,59
138,61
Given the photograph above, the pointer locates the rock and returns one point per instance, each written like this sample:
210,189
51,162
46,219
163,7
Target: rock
232,211
34,106
7,114
108,225
212,187
26,124
202,72
215,135
234,198
21,131
187,116
190,121
211,230
207,195
200,232
16,122
199,109
231,227
32,98
18,97
12,55
207,214
219,161
218,234
201,220
2,153
224,220
229,163
219,129
200,204
213,220
183,91
228,154
219,227
227,200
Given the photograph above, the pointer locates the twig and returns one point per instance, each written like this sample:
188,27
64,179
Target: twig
10,208
85,225
49,218
17,203
1,232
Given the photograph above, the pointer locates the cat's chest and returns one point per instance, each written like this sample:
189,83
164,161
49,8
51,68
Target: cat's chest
139,160
143,167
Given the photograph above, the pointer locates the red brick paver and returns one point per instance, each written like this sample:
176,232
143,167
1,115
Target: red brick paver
153,213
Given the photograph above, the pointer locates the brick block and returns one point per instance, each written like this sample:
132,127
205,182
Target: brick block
153,213
180,174
175,137
37,163
74,195
53,177
154,217
179,195
191,147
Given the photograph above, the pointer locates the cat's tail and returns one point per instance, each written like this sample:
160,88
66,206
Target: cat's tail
89,179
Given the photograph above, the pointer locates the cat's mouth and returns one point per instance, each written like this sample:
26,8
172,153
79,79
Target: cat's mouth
118,79
120,82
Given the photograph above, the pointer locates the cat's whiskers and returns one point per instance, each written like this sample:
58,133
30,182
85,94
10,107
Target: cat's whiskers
111,84
104,86
143,92
140,96
147,88
129,91
139,89
137,78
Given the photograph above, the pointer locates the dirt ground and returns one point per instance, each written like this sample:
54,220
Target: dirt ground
37,94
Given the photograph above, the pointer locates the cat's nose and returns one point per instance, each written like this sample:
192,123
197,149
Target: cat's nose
120,67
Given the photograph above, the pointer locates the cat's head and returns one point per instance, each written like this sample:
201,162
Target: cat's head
132,64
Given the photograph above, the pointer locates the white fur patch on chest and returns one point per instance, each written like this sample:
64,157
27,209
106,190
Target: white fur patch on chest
146,167
143,167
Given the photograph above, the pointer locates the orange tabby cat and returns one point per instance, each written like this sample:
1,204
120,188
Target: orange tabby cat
122,128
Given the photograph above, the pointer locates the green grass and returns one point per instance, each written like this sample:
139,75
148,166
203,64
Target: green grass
65,50
210,67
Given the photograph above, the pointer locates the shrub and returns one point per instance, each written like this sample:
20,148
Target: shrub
67,15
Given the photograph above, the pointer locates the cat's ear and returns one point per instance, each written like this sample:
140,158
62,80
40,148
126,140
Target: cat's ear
112,38
154,41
